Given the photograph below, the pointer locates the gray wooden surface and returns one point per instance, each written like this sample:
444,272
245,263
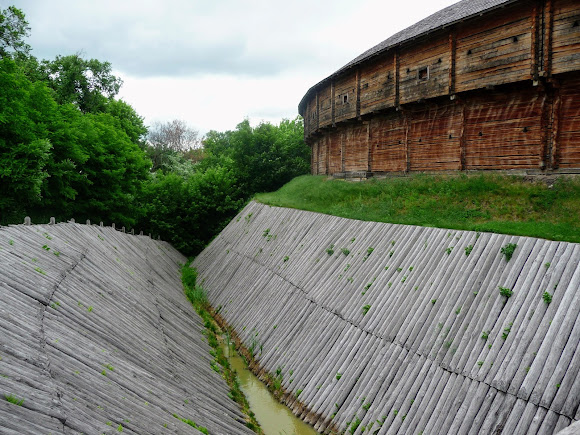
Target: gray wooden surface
96,336
296,286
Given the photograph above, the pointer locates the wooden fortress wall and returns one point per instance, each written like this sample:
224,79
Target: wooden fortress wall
500,91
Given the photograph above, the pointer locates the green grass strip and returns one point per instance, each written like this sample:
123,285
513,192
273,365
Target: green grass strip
506,204
198,298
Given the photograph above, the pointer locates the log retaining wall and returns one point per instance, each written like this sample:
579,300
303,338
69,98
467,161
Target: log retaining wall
96,336
402,329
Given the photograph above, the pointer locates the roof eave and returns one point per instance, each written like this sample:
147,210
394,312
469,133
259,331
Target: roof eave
302,104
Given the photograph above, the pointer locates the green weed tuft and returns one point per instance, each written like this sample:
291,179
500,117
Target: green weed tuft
193,424
547,297
508,251
369,252
507,331
13,399
504,291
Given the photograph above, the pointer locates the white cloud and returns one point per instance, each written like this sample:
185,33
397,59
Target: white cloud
212,63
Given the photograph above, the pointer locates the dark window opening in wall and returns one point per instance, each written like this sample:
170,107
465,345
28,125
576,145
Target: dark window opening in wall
345,99
515,39
423,73
468,52
576,23
439,60
366,85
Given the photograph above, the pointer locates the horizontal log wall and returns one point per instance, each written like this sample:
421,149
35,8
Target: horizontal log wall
377,85
568,116
566,36
503,130
325,107
432,61
495,51
498,92
490,130
334,153
434,138
345,98
355,146
388,138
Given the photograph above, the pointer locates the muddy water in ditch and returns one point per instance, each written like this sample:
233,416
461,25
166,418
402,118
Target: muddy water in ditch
274,417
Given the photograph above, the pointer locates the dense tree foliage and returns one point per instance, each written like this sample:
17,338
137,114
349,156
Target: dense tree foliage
189,211
190,201
57,161
69,148
24,145
88,84
265,157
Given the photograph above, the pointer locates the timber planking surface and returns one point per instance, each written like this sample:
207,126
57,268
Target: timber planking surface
96,336
395,329
511,68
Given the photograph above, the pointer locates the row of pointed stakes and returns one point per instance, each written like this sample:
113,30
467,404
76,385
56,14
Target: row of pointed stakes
28,221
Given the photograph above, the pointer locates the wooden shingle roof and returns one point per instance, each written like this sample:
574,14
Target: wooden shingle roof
461,11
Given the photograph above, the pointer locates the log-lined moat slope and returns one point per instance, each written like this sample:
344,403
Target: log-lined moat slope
402,329
96,336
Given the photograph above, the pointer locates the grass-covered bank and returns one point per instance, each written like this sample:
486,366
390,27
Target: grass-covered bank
489,202
220,364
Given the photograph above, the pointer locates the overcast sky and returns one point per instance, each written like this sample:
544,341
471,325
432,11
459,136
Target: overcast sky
213,63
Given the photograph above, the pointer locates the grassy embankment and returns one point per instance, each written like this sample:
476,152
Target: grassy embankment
198,298
490,202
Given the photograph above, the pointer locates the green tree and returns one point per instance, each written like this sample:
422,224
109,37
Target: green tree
128,120
188,211
13,29
113,173
167,141
267,157
88,84
24,145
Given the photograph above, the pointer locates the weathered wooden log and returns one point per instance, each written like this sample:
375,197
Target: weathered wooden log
362,352
96,335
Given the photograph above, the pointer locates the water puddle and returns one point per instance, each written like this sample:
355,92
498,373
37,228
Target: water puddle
275,418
